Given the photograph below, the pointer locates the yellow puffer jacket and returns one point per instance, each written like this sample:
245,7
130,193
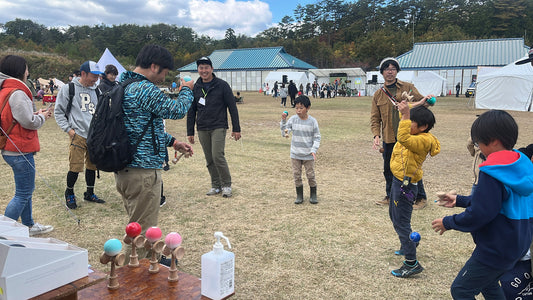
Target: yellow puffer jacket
410,152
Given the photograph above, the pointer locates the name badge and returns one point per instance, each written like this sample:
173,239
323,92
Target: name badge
202,101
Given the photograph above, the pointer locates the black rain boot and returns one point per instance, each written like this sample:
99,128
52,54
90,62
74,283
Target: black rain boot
299,195
312,198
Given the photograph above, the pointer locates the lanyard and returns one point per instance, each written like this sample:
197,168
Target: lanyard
391,97
205,94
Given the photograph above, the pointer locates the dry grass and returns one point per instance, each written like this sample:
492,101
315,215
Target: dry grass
341,248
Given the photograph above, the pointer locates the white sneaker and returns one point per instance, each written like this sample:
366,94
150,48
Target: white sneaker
213,191
37,229
226,191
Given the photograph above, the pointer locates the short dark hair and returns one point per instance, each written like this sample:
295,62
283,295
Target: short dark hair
14,66
304,100
422,116
154,54
495,125
111,69
387,63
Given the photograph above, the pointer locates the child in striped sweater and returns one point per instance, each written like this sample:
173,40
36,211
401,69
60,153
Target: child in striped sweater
304,145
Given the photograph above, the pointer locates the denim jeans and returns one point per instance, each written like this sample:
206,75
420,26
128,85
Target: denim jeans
400,211
475,278
24,172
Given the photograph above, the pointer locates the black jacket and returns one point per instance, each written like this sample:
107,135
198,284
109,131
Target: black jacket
105,85
213,115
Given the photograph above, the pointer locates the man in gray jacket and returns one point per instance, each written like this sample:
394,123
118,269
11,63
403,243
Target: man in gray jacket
74,117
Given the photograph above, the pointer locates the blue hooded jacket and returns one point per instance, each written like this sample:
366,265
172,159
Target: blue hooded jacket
499,214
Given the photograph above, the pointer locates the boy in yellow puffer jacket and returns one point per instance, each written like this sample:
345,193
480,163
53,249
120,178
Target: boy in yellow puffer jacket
414,144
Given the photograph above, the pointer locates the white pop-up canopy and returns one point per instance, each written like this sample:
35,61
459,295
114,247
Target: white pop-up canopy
508,88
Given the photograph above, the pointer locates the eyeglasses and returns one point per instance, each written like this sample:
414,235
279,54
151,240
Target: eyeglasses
390,69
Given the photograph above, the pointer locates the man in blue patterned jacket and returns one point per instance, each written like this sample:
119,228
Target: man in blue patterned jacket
144,103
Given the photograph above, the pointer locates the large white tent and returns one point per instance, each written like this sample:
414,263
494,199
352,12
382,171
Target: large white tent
426,82
297,77
508,88
108,59
355,77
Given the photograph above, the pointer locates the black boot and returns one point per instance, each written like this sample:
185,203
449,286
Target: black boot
312,198
299,195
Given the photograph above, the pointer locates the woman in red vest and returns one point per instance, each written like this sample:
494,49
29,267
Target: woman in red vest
23,142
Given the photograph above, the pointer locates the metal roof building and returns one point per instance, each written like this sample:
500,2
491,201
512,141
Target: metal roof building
458,61
246,69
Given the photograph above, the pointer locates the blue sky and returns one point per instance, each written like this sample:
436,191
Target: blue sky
205,17
286,8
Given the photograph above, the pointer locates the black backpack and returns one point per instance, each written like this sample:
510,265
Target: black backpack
107,141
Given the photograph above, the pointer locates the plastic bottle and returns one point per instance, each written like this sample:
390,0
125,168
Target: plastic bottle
218,271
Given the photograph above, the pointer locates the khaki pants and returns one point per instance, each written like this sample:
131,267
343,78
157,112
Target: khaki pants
309,166
141,194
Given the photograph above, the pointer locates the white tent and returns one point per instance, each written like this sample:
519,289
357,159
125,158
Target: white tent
508,88
355,77
297,77
426,82
108,59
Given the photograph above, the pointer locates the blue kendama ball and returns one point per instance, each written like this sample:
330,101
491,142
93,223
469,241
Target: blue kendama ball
414,236
112,247
431,100
187,78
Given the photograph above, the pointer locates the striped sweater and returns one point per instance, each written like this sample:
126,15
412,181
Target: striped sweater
305,136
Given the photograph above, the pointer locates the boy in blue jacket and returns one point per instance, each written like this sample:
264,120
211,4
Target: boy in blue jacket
499,212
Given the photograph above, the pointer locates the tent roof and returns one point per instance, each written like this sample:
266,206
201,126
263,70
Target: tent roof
463,54
271,58
107,58
348,71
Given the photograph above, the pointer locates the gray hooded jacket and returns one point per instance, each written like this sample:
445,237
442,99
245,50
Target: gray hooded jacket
83,107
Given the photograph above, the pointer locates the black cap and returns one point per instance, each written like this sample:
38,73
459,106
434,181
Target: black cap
204,61
525,61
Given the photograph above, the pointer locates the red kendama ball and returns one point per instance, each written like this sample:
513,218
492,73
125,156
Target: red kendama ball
133,229
153,234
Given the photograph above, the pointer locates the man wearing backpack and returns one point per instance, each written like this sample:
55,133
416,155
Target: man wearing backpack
145,104
73,112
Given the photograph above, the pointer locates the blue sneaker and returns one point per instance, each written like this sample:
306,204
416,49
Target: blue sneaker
407,270
71,201
92,198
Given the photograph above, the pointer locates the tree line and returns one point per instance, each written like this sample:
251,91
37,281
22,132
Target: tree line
326,34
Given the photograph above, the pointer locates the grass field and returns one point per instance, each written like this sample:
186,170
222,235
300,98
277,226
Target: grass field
342,248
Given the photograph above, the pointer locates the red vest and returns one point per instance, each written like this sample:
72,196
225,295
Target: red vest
26,140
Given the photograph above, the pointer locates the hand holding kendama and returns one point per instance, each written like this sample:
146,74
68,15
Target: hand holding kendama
133,238
173,248
407,96
177,158
112,254
443,199
153,234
